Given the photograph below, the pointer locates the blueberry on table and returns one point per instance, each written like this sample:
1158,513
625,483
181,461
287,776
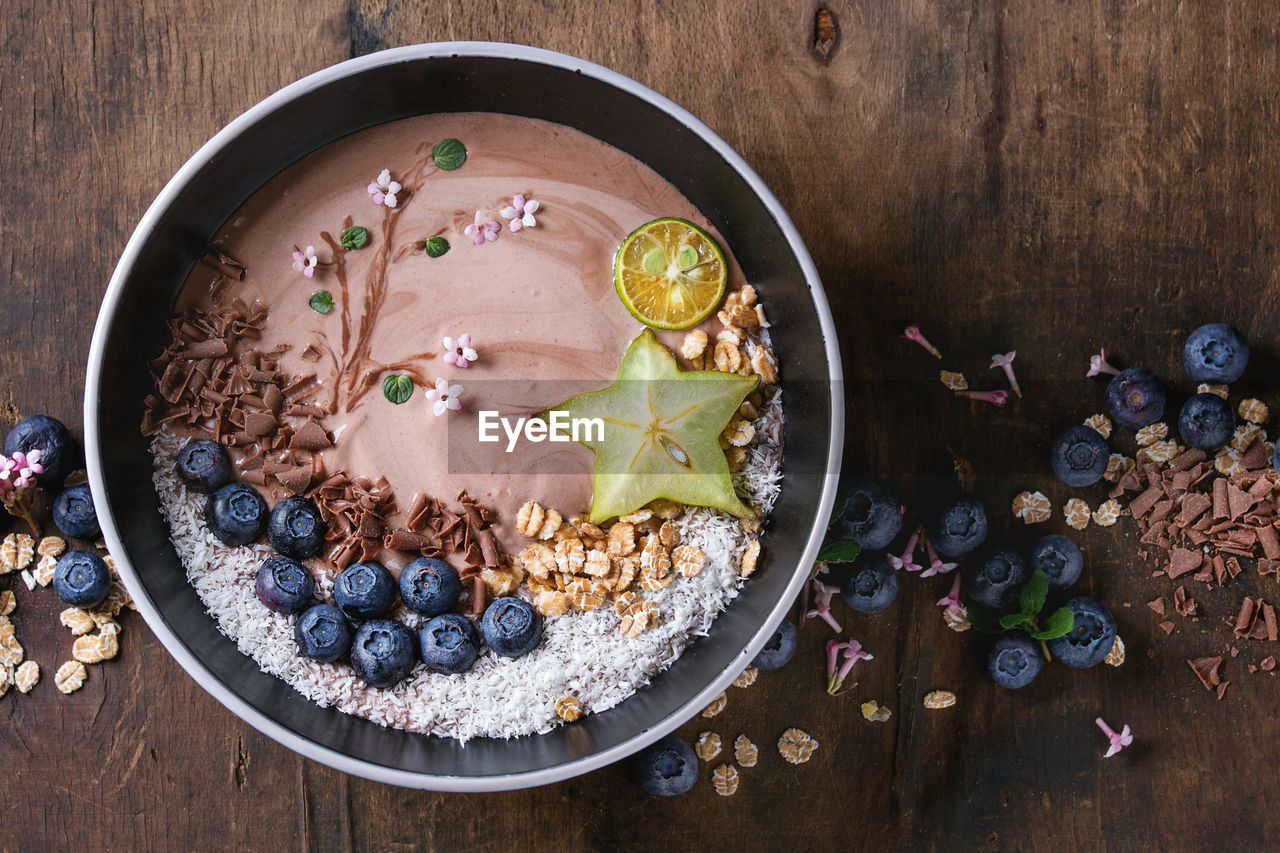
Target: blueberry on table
871,586
296,528
1091,636
872,516
1015,661
235,514
382,652
1059,558
203,466
430,586
450,643
74,514
511,626
81,579
779,649
58,451
365,590
1135,398
284,585
667,768
959,528
995,579
322,633
1079,456
1206,422
1215,353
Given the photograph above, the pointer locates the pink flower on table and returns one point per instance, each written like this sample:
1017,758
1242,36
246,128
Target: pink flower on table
520,212
459,353
1098,365
822,604
844,655
1118,739
305,260
445,397
383,190
936,565
908,559
482,230
1004,361
18,473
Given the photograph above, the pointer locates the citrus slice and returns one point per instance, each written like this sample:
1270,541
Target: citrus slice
670,273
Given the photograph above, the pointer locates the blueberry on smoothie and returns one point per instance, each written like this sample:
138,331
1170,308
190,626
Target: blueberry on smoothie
1215,353
365,590
74,514
284,585
235,514
81,579
450,643
511,626
430,586
322,633
382,652
296,528
203,466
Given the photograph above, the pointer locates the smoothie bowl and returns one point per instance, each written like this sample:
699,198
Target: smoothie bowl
346,327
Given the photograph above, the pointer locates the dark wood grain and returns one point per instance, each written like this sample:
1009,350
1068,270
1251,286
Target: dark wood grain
1043,176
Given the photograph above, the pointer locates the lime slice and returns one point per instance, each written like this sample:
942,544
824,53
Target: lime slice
670,273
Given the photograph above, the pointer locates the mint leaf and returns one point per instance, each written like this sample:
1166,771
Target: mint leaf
355,237
1060,622
837,512
435,246
449,154
1036,590
321,302
1009,621
839,551
982,620
397,388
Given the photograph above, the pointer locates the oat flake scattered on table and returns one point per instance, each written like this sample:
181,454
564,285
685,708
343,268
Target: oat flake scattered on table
1115,657
796,746
745,751
1077,514
936,700
1100,423
1032,507
70,676
725,780
747,678
1107,513
716,706
707,746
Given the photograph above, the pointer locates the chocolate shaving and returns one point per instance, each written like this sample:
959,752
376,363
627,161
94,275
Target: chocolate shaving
479,592
401,539
1267,664
1167,627
1156,606
224,263
296,480
1206,669
1182,561
310,436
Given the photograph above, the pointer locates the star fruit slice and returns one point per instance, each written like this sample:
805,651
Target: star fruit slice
662,430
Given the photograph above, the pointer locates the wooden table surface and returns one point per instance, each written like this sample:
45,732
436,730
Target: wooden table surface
1047,177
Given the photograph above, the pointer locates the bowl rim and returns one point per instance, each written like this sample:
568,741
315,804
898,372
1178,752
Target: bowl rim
225,695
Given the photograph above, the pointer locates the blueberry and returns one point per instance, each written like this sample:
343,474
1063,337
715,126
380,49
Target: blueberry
430,586
203,465
994,579
82,579
74,514
450,643
59,454
1091,636
1135,398
1206,422
365,591
667,768
296,529
235,514
871,586
284,585
1015,661
382,652
1059,558
959,528
511,626
780,648
322,633
872,516
1216,353
1079,456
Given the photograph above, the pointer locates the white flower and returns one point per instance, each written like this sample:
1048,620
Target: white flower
520,212
383,190
445,397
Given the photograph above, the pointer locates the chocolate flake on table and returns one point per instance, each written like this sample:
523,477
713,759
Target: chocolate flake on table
1206,669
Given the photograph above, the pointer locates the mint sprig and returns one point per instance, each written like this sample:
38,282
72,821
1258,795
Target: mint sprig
355,237
449,154
1027,618
435,246
321,302
397,388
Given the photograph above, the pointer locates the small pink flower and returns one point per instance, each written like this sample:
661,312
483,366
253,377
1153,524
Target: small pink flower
520,212
305,260
952,601
1119,740
908,559
995,398
383,190
445,397
459,353
851,651
822,604
482,230
936,566
1005,363
912,333
1098,364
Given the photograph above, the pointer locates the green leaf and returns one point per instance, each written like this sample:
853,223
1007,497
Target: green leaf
1009,621
837,512
1059,623
1031,599
321,301
355,237
435,246
397,388
449,154
982,620
839,551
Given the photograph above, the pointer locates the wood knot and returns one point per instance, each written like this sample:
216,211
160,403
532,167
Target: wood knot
826,32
